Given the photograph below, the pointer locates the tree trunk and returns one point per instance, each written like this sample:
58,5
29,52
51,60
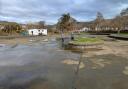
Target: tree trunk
119,31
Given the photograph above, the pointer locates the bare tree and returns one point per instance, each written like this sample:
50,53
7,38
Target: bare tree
98,21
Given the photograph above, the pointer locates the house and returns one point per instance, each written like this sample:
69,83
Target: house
2,27
36,32
85,29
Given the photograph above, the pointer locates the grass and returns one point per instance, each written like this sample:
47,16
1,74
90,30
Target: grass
83,40
123,34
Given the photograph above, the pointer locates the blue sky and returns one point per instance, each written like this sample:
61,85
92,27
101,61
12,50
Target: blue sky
51,10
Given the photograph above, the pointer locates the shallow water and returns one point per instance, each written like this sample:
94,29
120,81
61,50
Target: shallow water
36,63
39,66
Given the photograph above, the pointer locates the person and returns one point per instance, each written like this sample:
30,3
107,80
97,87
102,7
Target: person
62,36
62,39
32,32
72,36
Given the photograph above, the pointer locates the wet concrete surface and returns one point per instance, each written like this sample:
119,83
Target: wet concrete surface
39,66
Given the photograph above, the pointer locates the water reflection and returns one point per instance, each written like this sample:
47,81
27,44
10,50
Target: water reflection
28,66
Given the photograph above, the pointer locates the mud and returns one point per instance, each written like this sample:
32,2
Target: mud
73,62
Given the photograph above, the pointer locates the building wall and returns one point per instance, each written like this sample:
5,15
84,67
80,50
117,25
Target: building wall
37,32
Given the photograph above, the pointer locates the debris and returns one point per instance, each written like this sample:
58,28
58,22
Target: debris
99,63
2,45
126,70
45,40
15,45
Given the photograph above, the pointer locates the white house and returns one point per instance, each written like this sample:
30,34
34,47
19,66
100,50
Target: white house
37,32
85,29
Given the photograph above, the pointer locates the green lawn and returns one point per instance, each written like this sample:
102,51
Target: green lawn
83,40
123,34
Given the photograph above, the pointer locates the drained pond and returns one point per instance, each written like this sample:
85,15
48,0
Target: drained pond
46,65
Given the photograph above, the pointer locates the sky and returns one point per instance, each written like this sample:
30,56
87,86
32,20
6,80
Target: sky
50,10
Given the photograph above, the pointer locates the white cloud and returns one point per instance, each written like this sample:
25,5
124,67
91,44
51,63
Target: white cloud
50,10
